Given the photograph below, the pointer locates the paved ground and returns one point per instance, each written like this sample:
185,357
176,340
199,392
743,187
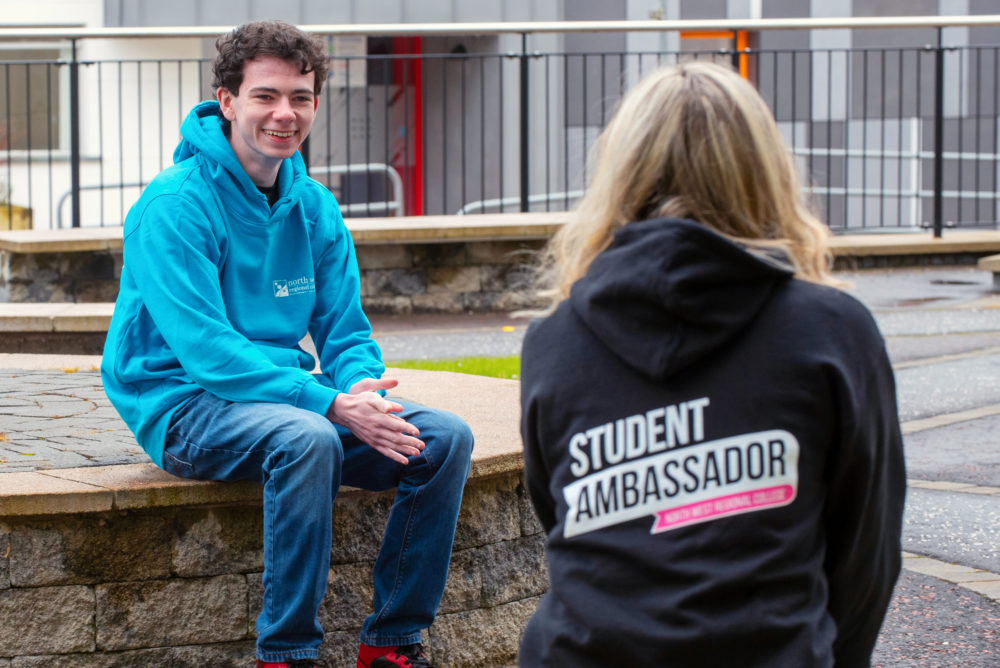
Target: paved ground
942,327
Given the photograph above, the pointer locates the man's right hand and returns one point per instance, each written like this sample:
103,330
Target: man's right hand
370,417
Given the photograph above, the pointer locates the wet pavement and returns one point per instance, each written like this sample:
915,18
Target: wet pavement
942,327
442,337
936,625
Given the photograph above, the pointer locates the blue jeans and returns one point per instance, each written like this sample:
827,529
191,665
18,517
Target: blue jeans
302,459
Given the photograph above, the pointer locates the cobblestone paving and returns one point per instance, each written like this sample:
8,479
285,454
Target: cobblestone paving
60,419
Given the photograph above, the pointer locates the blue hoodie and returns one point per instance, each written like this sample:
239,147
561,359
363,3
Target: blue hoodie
218,288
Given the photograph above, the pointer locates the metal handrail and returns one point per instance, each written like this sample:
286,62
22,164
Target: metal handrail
69,193
480,205
395,204
524,27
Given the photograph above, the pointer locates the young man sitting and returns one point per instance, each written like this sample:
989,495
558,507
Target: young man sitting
231,256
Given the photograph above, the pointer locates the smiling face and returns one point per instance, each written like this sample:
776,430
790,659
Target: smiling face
270,117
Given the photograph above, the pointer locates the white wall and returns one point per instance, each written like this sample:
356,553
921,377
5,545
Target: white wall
40,13
118,143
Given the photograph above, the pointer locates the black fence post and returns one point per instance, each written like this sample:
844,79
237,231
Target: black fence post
74,135
304,150
524,122
938,137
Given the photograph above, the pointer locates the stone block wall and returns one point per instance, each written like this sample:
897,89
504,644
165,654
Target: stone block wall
88,276
182,586
448,277
439,277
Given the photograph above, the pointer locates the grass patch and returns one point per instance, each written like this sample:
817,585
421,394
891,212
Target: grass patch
494,367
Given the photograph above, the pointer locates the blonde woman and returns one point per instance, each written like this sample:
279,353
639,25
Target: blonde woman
711,436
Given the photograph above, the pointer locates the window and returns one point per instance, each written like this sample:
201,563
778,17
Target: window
30,95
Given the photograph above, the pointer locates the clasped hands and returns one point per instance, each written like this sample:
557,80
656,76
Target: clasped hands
371,418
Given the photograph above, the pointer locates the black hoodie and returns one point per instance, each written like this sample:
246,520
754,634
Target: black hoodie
713,449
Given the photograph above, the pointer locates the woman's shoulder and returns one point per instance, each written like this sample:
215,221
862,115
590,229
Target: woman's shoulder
826,311
827,298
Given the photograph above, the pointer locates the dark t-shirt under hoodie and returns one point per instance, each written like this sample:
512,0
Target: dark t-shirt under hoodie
713,449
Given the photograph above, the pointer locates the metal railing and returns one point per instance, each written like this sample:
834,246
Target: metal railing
391,207
500,203
438,119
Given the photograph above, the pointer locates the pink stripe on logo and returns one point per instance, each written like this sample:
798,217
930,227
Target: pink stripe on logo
722,506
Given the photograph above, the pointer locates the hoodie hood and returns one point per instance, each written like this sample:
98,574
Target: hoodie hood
203,133
668,292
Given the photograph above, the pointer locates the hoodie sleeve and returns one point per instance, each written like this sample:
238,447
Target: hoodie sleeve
175,256
867,486
339,327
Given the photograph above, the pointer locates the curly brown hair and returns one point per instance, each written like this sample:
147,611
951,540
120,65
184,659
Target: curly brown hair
268,38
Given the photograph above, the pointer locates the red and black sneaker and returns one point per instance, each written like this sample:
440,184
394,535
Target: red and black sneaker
405,656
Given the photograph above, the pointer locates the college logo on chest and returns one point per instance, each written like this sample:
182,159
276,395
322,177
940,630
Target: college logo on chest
296,286
633,467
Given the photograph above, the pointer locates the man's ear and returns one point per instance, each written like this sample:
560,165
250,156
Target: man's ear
226,98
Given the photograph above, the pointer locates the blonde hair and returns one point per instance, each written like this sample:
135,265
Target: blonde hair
691,141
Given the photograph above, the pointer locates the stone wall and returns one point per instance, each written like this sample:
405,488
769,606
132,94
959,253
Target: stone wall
447,277
412,264
88,276
441,277
181,586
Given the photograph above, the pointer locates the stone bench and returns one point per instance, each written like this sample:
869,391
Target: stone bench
69,328
888,248
433,264
446,264
127,565
992,263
